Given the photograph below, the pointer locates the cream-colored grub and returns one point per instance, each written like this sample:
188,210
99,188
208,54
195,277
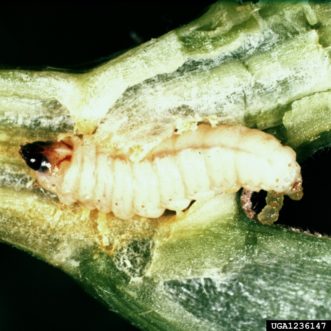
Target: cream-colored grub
195,165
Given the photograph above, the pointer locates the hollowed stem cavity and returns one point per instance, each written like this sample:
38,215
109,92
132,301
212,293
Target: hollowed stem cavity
195,165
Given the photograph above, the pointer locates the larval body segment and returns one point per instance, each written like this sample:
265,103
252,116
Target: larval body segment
103,187
192,167
88,174
147,198
122,204
171,184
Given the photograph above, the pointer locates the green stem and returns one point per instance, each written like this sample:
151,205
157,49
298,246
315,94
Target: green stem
263,65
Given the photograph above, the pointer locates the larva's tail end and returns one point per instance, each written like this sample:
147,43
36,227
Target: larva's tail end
297,191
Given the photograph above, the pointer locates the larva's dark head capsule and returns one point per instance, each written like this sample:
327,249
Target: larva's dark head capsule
34,155
46,156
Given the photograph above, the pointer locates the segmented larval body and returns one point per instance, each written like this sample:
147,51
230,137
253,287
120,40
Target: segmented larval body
185,167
